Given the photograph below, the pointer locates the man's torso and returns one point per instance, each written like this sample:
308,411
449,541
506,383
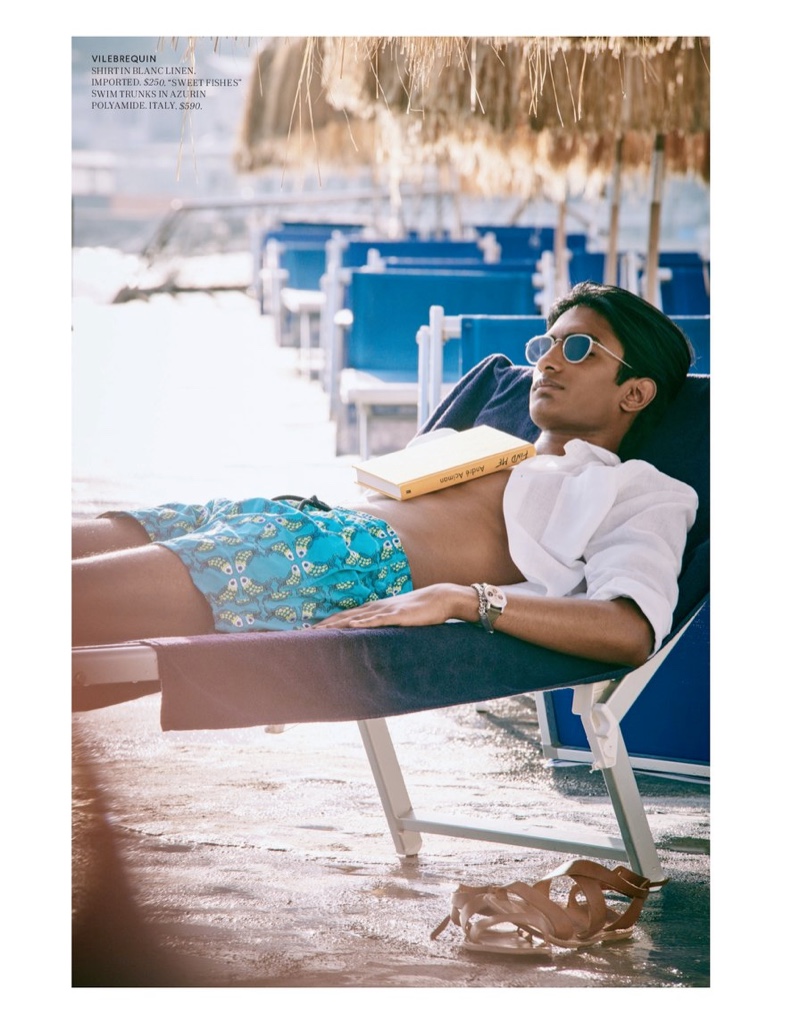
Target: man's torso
453,535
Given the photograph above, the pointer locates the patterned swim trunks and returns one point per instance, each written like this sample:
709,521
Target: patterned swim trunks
279,564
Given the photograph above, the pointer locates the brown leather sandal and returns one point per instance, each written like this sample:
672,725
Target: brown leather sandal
523,919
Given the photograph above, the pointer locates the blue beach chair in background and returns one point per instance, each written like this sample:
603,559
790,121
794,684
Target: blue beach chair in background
297,249
475,337
376,360
587,266
683,287
685,290
292,263
346,254
517,240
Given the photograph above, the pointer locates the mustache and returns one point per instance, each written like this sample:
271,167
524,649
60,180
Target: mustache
544,380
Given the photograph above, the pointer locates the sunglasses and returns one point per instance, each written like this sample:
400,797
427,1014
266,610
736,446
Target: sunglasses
574,348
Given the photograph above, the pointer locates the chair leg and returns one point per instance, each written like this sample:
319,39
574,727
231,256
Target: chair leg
631,819
405,826
305,344
363,415
391,786
611,757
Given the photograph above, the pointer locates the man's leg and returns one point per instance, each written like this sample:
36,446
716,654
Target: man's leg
141,592
98,536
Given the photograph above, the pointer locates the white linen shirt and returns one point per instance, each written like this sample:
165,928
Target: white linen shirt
589,525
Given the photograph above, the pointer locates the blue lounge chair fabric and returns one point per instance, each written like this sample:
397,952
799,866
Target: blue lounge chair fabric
303,253
518,239
280,678
685,292
305,263
483,335
668,727
458,263
587,266
381,343
354,252
698,330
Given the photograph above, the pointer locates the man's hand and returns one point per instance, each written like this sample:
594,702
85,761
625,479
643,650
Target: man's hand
430,605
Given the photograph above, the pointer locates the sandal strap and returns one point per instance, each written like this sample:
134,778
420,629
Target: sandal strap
560,922
593,879
620,879
531,909
515,903
473,897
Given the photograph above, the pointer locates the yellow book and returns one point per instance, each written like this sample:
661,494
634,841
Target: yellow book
440,462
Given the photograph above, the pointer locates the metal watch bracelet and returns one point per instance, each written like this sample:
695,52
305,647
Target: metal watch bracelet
487,620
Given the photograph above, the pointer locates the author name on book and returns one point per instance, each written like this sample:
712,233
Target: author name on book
479,470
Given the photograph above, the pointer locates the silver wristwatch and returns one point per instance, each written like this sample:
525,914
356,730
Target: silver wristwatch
491,604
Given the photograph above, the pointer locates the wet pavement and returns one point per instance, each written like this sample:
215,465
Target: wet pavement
248,858
245,858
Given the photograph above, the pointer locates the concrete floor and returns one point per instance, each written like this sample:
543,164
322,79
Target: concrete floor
247,859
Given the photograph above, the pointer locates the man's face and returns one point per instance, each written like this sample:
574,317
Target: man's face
582,399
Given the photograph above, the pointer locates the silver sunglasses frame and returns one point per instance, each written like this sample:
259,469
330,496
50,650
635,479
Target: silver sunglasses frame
561,340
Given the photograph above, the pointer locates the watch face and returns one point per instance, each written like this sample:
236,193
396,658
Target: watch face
496,597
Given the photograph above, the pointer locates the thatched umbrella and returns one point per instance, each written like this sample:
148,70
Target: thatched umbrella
513,115
289,119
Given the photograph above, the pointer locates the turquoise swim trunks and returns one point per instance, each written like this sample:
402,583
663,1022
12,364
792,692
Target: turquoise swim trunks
280,564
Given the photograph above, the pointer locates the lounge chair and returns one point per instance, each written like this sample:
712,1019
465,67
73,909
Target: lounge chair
230,681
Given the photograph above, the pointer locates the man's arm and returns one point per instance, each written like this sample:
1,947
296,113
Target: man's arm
605,630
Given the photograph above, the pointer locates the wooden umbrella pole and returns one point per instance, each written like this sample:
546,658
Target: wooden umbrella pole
655,220
562,275
610,274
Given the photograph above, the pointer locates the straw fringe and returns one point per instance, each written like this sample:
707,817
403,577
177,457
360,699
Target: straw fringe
511,114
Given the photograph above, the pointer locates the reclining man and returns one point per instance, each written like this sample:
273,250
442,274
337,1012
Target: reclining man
574,549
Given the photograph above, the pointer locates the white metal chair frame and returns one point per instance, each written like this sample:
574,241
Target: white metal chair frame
302,303
601,706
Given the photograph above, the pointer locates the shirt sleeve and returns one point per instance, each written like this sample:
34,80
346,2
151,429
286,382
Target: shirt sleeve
637,549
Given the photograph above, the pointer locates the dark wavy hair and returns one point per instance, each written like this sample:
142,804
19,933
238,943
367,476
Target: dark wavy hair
654,346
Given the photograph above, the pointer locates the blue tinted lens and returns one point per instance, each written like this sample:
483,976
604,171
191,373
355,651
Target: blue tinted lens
536,348
576,347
